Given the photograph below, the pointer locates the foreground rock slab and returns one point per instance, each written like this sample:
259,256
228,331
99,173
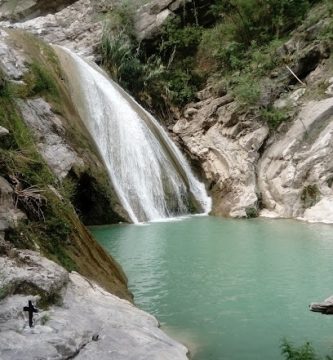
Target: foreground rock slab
82,320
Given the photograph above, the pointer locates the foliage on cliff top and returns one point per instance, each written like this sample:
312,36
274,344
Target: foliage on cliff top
239,46
240,49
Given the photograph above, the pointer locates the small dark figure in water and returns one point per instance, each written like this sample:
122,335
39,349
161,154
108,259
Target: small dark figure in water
31,309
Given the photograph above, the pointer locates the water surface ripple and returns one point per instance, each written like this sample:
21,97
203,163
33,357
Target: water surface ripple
230,289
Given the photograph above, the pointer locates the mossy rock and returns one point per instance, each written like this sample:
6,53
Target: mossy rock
310,195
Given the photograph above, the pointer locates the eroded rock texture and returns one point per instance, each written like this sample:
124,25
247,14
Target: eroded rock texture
295,172
23,9
81,319
227,147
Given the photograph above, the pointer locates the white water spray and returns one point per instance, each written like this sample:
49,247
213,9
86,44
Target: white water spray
150,175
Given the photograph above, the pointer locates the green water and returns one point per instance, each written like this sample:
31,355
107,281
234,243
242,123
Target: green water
230,289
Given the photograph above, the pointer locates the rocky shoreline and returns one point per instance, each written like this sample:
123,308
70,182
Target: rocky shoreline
249,170
81,320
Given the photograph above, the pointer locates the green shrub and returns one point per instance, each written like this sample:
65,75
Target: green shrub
247,90
183,40
274,117
260,20
303,352
310,195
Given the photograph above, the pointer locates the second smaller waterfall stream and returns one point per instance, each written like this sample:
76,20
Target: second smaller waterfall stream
151,177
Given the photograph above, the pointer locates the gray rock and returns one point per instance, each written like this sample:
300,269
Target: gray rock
298,159
12,61
10,216
227,149
20,9
27,272
325,307
150,18
75,27
49,132
3,131
88,324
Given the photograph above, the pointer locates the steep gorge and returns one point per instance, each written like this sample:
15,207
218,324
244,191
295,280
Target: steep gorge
250,166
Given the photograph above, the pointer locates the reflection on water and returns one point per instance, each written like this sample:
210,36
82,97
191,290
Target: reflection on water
234,288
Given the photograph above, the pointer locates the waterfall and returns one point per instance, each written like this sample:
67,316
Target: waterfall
150,175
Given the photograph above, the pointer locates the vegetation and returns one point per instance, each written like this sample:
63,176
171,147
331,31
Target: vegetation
303,352
48,226
274,117
239,46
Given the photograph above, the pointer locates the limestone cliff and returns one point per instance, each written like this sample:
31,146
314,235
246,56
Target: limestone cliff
246,164
47,161
253,167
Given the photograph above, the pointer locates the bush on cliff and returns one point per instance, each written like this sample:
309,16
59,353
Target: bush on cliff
169,70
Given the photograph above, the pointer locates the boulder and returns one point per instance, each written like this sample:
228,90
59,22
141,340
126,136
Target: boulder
79,320
325,307
3,131
150,18
10,215
23,9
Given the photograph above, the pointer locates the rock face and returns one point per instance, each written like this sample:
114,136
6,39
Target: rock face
291,178
227,147
244,168
85,321
75,27
295,172
50,135
23,9
150,18
61,137
10,215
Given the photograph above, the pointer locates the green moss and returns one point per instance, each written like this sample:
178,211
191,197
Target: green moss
42,82
310,195
251,212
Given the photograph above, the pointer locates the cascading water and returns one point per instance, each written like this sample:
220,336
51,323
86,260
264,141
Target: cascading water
149,174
